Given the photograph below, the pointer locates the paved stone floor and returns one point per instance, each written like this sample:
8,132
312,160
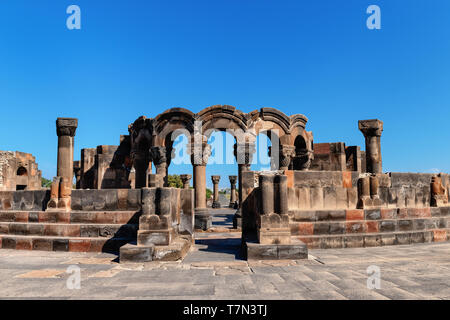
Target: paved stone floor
213,270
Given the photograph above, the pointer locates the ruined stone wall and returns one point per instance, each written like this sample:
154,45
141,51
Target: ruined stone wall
106,167
340,190
19,171
337,157
35,200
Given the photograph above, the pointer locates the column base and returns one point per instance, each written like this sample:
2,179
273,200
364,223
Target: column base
233,205
237,219
202,219
215,204
294,251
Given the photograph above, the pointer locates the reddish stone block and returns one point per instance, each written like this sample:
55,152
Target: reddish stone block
4,229
354,215
402,213
355,227
439,235
388,213
347,179
0,242
419,212
372,226
62,230
47,217
290,178
97,245
321,148
43,244
63,217
21,216
79,245
305,228
24,244
106,217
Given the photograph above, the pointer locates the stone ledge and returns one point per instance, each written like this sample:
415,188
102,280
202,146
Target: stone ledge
294,251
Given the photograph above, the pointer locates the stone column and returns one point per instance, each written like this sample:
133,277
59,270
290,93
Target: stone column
215,181
185,179
244,155
141,161
159,158
372,130
200,152
233,203
65,129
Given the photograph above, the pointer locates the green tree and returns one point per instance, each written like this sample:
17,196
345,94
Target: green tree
208,193
174,181
45,183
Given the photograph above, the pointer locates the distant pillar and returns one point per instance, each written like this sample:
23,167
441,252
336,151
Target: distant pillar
65,129
244,155
372,130
215,181
185,178
233,203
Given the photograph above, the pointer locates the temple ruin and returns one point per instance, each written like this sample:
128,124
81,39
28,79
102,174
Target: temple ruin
316,195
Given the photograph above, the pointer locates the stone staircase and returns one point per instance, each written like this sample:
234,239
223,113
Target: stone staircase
370,227
76,231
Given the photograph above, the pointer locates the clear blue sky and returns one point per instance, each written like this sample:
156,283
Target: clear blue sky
134,58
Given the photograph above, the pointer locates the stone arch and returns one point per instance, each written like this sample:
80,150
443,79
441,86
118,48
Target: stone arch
222,117
22,171
172,121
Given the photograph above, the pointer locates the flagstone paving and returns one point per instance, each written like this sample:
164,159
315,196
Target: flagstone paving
212,271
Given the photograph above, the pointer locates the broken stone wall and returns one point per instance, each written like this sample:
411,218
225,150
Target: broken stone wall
19,170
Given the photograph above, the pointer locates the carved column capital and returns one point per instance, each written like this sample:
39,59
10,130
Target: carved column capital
370,128
158,155
199,150
185,178
244,152
66,126
233,180
215,179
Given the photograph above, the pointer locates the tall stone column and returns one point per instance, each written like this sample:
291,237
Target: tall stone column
65,129
215,181
372,130
233,203
244,155
200,152
185,178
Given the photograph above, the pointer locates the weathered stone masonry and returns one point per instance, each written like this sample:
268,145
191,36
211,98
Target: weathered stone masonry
323,195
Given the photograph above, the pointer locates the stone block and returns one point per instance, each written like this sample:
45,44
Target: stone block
388,213
372,214
160,237
372,241
419,224
337,227
435,212
372,226
355,227
403,238
405,225
76,245
60,245
329,200
341,198
388,239
304,215
132,253
321,228
42,244
417,237
353,241
439,235
355,214
304,198
388,225
317,198
352,197
332,242
24,244
305,228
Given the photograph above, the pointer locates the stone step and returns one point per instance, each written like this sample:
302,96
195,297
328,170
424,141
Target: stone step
374,239
100,217
72,244
368,226
177,250
367,214
69,230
